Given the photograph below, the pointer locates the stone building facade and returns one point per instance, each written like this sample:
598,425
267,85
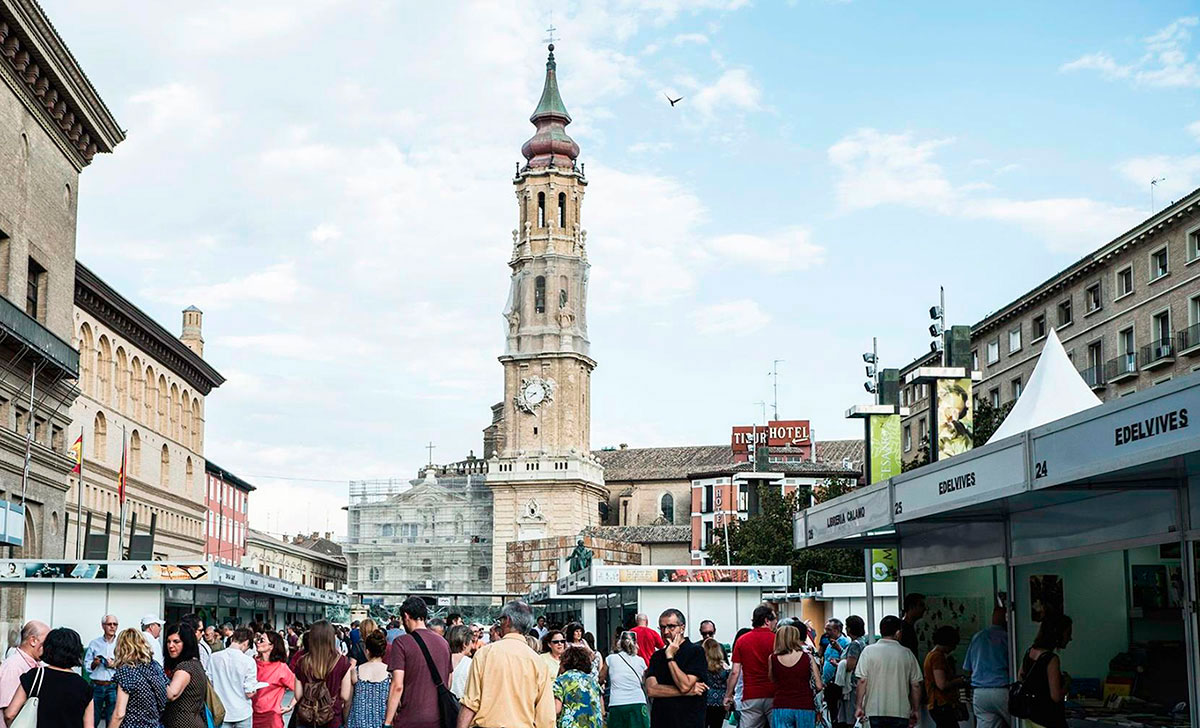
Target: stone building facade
52,124
544,480
539,561
139,382
1128,315
313,560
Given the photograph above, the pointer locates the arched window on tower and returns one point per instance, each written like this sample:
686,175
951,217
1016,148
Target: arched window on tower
667,507
539,295
562,209
541,209
164,468
99,437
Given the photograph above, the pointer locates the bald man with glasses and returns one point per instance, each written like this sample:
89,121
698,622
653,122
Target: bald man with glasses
98,659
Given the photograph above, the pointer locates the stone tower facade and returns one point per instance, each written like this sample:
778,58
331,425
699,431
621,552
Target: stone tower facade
544,480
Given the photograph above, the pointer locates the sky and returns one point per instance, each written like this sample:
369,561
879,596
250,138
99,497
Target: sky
331,182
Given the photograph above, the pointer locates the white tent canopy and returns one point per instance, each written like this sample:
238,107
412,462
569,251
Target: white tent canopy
1054,391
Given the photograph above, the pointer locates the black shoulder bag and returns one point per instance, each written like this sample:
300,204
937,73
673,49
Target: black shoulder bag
447,703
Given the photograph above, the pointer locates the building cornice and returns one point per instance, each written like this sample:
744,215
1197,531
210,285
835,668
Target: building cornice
40,68
112,309
220,472
270,542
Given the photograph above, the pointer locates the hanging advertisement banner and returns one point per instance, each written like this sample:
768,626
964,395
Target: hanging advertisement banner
954,427
883,564
883,447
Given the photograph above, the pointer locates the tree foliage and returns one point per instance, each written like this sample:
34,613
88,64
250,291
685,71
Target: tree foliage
766,537
988,418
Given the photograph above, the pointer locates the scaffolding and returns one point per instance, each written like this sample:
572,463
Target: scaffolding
428,535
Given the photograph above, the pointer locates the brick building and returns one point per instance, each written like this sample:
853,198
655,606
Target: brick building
227,498
1128,315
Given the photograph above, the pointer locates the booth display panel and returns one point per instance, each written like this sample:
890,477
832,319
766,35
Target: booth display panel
963,598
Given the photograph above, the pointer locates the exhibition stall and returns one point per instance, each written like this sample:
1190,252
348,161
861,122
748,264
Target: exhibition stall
77,594
1095,515
726,595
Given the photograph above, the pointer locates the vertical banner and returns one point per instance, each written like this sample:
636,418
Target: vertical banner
953,431
883,447
883,564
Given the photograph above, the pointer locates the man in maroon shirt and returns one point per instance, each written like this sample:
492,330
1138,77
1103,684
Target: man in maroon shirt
649,641
751,656
413,700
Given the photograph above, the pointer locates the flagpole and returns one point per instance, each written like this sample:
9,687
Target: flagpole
79,512
121,494
28,436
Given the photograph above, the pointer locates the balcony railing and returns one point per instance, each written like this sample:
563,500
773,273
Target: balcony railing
1123,367
1094,376
1158,353
30,333
1189,340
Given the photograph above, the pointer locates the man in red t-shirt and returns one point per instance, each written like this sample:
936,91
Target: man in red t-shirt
751,655
649,640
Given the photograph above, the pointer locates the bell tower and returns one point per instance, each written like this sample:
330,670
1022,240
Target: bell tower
544,480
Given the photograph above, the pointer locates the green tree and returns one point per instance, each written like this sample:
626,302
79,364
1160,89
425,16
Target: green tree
766,537
988,418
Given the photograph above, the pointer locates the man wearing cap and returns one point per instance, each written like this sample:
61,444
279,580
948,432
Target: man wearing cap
152,632
98,659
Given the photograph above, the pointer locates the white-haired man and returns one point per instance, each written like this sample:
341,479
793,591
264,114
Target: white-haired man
509,686
152,632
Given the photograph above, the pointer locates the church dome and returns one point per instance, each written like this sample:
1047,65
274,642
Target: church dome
550,146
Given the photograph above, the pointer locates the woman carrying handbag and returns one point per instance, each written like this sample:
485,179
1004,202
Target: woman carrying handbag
53,696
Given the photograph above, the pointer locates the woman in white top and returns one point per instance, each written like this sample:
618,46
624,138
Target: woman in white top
462,644
627,702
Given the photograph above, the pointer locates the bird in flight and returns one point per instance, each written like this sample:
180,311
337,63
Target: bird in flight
673,101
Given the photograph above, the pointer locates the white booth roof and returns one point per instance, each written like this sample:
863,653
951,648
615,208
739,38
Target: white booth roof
1054,391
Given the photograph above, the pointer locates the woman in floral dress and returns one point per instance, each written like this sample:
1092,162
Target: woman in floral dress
576,692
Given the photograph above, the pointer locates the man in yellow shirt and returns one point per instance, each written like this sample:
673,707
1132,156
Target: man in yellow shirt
509,686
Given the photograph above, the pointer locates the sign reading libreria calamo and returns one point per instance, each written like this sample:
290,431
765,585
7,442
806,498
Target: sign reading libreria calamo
869,508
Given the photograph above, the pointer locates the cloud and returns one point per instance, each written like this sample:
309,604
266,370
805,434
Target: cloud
1165,62
650,147
1177,175
740,317
275,284
181,110
734,90
788,250
690,39
877,168
1194,130
325,233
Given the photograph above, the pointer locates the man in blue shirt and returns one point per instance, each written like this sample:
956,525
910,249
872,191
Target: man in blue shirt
987,662
834,643
98,659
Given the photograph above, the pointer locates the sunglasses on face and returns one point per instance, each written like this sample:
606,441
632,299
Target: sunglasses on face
707,634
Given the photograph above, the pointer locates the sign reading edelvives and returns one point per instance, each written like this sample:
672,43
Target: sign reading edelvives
884,446
954,433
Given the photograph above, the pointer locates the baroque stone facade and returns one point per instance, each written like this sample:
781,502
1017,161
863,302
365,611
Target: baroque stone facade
544,479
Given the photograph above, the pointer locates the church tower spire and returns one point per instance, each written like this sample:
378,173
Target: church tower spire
545,481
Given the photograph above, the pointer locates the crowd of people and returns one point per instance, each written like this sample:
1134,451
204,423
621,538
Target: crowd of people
415,671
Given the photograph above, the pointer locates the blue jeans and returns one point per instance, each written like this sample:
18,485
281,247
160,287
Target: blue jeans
792,718
104,698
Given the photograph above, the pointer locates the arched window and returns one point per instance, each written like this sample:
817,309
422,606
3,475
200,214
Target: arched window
135,454
386,531
539,295
185,420
122,380
99,437
173,409
150,395
562,209
188,474
484,573
103,370
374,574
87,367
667,507
136,384
163,418
164,468
541,209
197,426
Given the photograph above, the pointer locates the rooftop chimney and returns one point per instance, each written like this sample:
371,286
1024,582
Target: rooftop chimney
192,324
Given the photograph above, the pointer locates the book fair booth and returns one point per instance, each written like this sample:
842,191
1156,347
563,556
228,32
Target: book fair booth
1095,515
77,594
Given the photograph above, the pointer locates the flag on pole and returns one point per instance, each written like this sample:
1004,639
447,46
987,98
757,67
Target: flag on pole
121,477
77,451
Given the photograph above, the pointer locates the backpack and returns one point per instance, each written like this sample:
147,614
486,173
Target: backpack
316,705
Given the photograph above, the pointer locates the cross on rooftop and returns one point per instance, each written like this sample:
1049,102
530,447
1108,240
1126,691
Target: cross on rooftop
550,33
430,448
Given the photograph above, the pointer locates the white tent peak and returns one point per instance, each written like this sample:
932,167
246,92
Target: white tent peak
1055,390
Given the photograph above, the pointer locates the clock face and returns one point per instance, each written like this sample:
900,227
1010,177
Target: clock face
534,393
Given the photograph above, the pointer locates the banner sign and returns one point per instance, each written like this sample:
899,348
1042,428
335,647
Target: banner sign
867,509
1159,426
884,564
692,575
954,427
975,480
12,523
103,571
883,444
